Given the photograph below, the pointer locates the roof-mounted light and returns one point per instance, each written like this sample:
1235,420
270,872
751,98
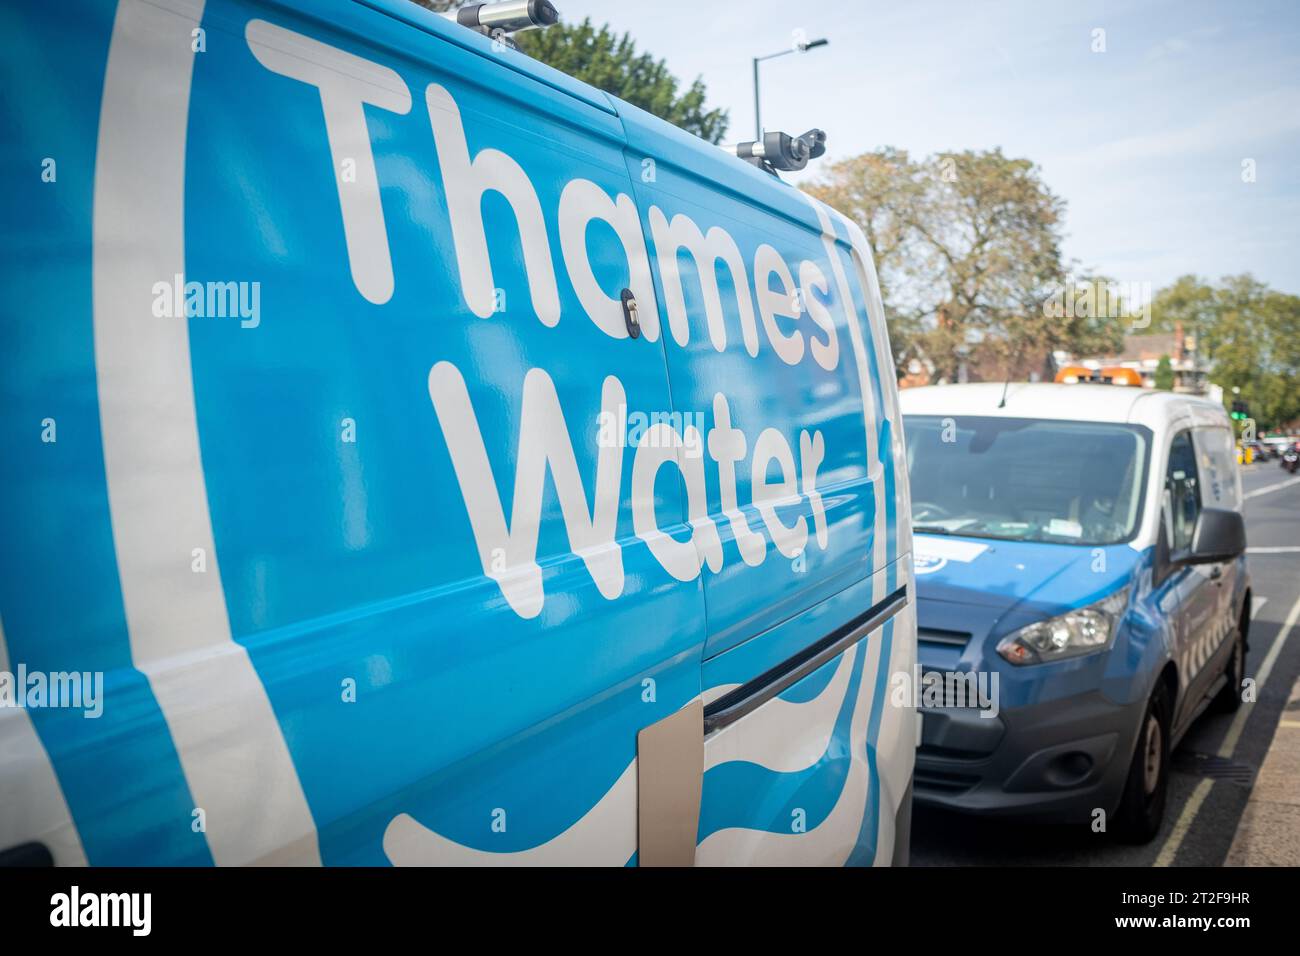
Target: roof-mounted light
1109,375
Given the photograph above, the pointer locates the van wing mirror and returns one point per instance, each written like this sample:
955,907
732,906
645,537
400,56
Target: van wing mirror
1219,535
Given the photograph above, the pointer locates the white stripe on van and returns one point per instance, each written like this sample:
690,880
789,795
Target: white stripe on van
885,359
606,835
886,770
894,740
230,745
834,838
898,734
870,414
784,736
33,801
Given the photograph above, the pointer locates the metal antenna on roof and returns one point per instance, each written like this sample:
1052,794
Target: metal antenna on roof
1006,385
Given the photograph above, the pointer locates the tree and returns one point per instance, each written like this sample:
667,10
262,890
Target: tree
1164,377
611,63
1189,301
968,245
1254,345
882,192
1246,333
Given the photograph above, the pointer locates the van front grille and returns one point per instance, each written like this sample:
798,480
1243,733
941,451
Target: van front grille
934,635
942,781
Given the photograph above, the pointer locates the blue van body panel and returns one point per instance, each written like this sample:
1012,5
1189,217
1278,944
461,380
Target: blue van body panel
1012,584
427,20
59,592
750,795
1091,704
405,684
687,177
690,161
676,174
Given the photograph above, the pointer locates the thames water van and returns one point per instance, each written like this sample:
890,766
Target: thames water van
1080,552
416,456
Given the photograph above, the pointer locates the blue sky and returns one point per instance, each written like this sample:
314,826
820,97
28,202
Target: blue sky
1145,141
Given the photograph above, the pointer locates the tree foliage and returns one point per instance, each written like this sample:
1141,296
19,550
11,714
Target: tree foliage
611,63
968,245
1248,335
1164,377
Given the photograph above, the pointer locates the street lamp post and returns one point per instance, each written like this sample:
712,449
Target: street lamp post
801,47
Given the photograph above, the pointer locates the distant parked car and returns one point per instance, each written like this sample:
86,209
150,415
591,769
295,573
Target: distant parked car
1277,446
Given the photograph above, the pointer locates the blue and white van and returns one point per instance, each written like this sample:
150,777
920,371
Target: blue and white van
416,456
1080,561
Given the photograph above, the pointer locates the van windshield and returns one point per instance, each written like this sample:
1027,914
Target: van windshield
1026,479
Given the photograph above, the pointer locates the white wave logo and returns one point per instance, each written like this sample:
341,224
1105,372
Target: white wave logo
927,563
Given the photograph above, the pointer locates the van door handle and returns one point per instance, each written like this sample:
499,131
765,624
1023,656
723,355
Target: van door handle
630,316
740,701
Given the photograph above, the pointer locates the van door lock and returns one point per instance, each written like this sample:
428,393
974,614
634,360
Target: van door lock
630,313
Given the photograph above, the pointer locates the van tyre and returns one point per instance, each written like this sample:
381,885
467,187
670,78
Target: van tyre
1142,807
1229,699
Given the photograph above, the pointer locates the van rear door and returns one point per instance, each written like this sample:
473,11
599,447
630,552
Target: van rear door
770,358
755,326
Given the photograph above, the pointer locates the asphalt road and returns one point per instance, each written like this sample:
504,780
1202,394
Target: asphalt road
1203,810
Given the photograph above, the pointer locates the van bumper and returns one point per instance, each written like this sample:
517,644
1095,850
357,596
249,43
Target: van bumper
1052,762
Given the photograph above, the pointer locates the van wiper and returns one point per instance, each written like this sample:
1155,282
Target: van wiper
932,529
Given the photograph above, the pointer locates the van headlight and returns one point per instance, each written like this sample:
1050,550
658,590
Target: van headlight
1077,632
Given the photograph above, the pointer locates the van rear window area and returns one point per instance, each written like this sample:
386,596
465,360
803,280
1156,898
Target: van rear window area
1026,479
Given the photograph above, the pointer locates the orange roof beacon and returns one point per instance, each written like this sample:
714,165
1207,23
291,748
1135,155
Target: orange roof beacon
1108,375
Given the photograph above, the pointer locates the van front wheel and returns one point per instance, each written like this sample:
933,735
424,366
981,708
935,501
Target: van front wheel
1142,808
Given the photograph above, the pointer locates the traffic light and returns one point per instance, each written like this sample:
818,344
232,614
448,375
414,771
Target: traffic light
1240,410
